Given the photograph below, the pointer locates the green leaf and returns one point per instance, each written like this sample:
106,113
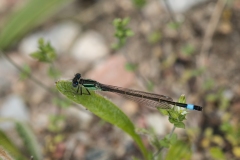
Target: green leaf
173,138
182,99
165,143
163,111
6,143
103,108
129,33
125,21
172,120
25,19
179,125
116,22
29,140
217,153
182,117
179,151
173,114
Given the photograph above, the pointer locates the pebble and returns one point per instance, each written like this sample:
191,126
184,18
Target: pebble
181,6
61,37
84,118
112,71
13,108
90,47
8,72
97,154
158,122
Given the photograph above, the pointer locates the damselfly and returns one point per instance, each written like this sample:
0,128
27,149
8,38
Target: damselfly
154,100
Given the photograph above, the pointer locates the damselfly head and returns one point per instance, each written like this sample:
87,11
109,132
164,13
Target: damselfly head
75,80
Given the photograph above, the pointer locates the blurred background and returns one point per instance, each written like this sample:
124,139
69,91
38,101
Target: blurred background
178,47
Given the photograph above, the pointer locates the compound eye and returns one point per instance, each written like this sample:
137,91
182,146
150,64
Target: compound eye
78,75
75,84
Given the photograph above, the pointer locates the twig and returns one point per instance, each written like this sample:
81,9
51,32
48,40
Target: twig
212,25
169,10
29,75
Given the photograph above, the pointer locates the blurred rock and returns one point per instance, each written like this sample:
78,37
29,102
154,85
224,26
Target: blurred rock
112,72
97,154
61,37
6,68
158,123
180,6
130,108
152,9
13,108
90,47
83,117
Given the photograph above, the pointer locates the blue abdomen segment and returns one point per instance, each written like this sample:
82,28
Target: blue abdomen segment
190,106
194,107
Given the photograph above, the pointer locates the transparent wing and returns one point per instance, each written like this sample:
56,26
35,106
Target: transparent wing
140,96
150,103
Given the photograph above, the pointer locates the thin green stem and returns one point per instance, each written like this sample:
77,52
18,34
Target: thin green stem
171,133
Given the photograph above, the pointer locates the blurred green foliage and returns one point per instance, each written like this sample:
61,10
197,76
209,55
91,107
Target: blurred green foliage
25,19
155,37
174,25
55,124
26,71
188,49
29,139
130,67
122,32
139,3
46,52
178,151
10,147
176,115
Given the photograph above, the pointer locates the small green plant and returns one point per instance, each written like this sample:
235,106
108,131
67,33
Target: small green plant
26,18
155,37
47,54
174,25
176,115
122,32
139,3
188,49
